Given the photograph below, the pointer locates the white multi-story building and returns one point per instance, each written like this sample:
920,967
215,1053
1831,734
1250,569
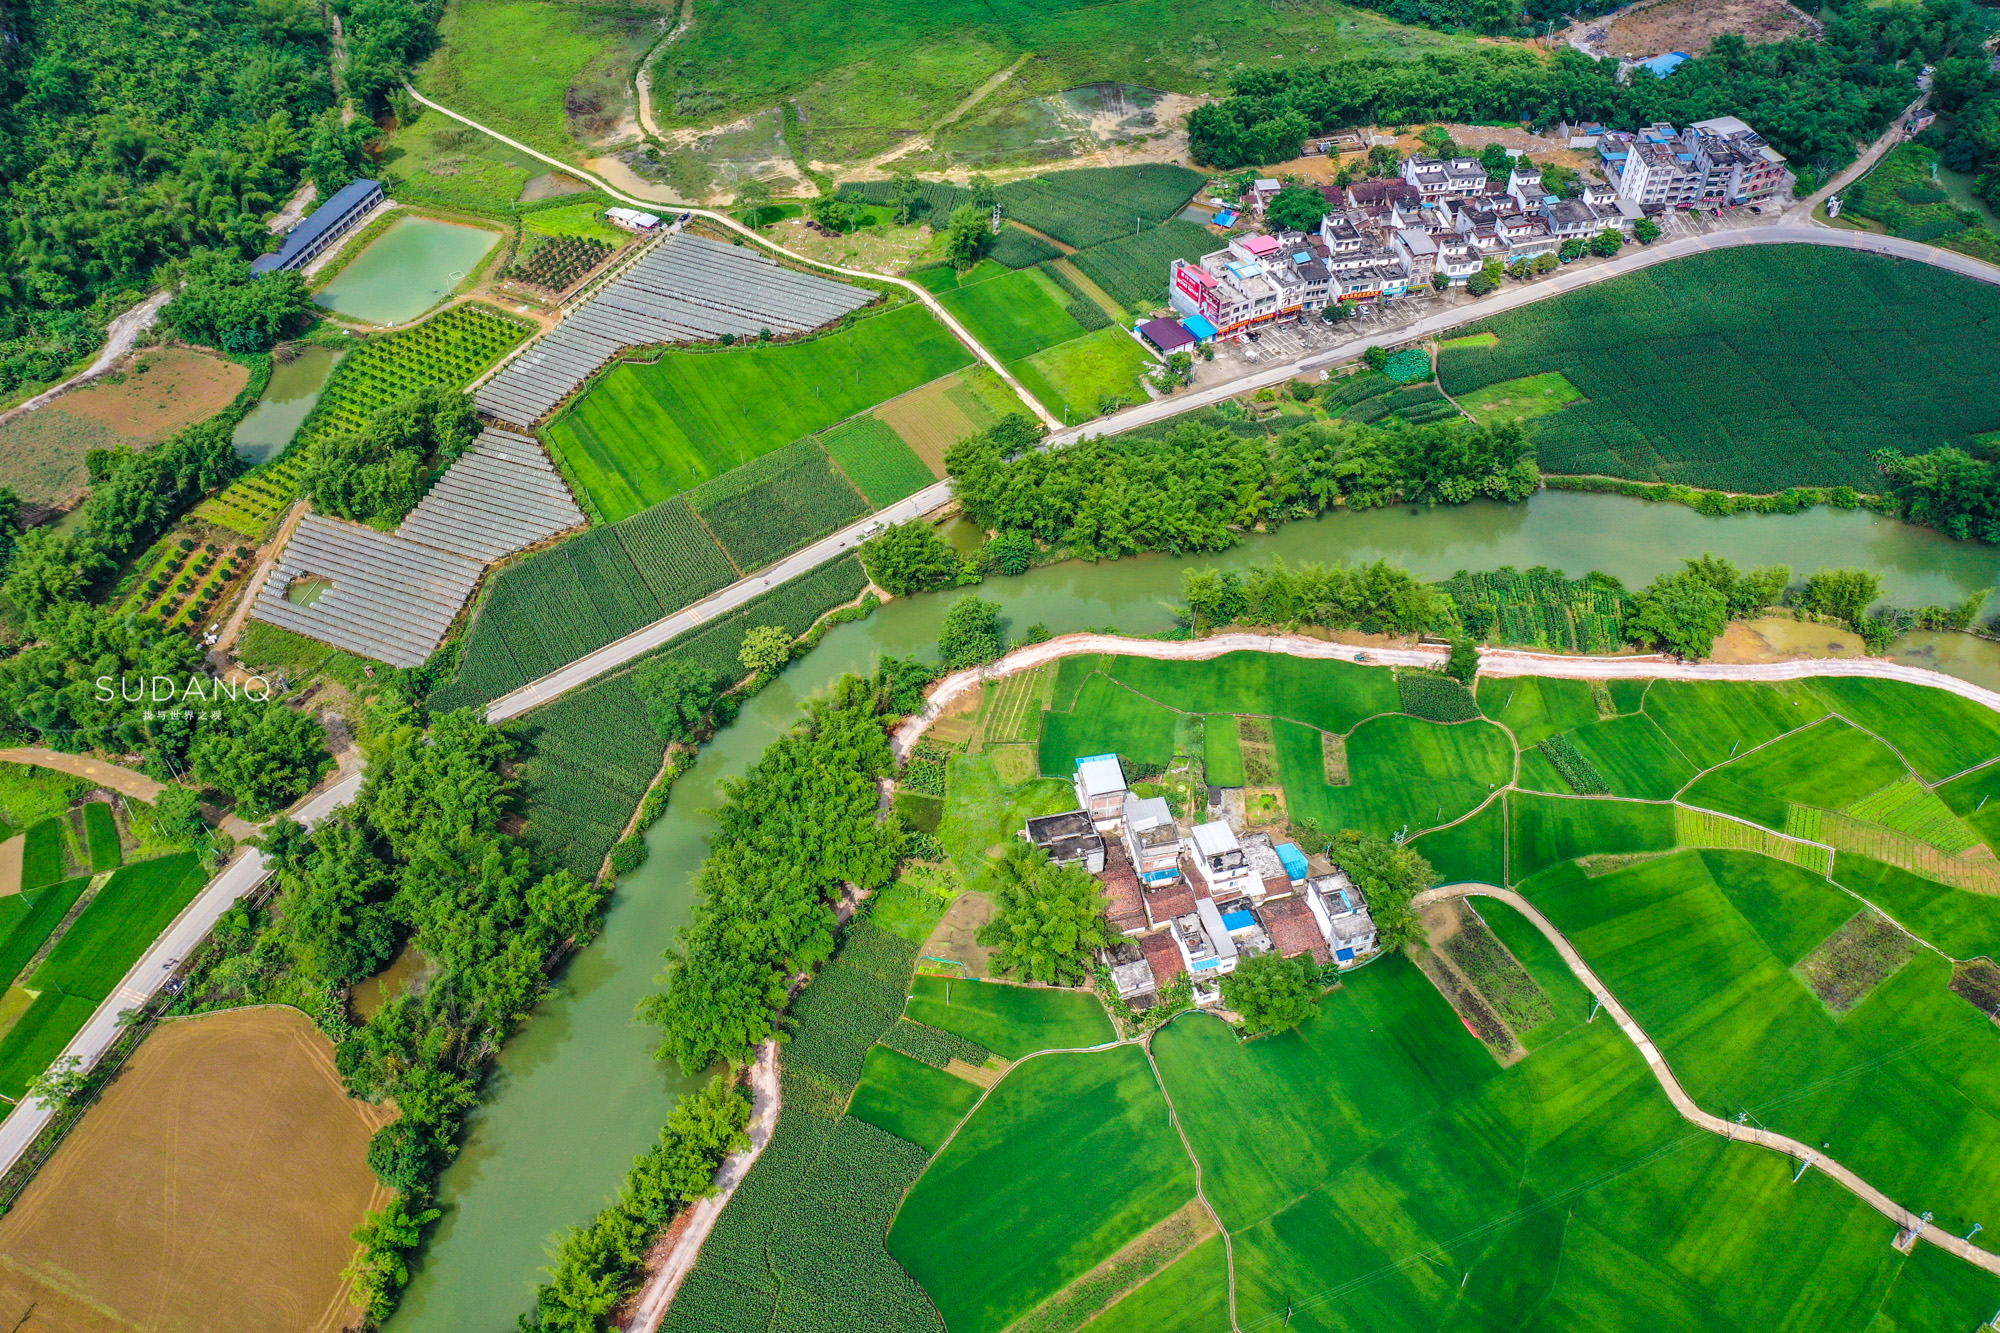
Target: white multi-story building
1445,178
1711,162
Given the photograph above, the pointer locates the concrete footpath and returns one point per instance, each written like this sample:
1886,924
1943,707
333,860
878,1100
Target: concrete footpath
1816,1158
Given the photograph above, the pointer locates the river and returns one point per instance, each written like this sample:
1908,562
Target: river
577,1095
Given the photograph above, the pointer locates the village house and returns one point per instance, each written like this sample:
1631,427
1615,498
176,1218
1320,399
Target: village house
1445,178
1151,839
1069,838
1100,789
1710,163
1224,870
1342,915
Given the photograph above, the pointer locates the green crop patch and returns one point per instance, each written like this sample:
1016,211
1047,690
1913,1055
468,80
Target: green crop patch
451,348
1190,1296
42,854
1634,756
1520,400
1902,1085
1908,806
1333,696
1539,608
1108,719
1975,798
1860,352
875,459
1470,851
100,829
28,919
1963,924
132,908
1536,707
1014,316
1938,732
1222,751
1546,830
643,432
775,504
38,1037
1828,765
1086,376
910,1099
1069,1158
1011,1020
1713,721
1404,772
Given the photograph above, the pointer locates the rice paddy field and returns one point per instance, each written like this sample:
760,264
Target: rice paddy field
645,432
1852,353
1378,1167
1015,314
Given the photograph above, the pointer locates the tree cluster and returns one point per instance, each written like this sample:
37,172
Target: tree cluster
379,472
910,557
1685,611
416,861
1389,875
795,831
223,304
1272,993
1377,597
1947,488
1197,487
1812,100
1048,920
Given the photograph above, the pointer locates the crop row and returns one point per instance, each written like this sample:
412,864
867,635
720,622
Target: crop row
1539,608
450,348
1432,695
589,758
934,1046
926,770
1082,207
557,263
1576,770
250,504
1133,268
776,504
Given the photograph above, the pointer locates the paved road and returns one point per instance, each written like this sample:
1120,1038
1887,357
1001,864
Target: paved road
1513,298
1714,1124
1802,210
243,873
642,641
944,316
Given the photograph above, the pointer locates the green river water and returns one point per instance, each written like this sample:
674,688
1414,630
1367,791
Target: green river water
406,270
288,399
577,1095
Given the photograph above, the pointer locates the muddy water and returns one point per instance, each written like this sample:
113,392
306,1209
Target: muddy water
288,399
577,1095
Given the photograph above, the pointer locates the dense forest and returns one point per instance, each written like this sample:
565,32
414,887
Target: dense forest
1812,100
133,135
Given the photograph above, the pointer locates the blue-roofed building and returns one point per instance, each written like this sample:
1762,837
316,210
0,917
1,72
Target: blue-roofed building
1294,862
328,223
1662,65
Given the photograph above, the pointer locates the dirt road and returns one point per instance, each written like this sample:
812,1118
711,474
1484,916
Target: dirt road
931,303
118,339
1813,1157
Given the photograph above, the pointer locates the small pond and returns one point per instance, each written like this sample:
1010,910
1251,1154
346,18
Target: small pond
406,270
288,399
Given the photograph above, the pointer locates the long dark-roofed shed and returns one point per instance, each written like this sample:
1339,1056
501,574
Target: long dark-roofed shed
328,223
385,598
1166,334
686,289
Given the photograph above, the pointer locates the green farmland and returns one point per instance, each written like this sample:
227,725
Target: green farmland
644,432
1378,1167
1853,353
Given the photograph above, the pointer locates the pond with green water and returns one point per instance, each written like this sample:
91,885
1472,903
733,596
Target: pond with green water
288,399
578,1095
409,268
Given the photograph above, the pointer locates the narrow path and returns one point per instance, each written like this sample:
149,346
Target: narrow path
931,303
1686,1105
124,781
1174,1118
642,79
119,337
951,117
1802,210
767,1099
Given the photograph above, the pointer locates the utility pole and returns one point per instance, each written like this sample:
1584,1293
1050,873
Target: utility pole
1808,1161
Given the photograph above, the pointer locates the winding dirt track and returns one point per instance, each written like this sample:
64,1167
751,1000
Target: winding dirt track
1685,1104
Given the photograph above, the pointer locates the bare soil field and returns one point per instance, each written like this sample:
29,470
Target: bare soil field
1782,639
162,391
212,1189
1693,25
954,938
933,418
